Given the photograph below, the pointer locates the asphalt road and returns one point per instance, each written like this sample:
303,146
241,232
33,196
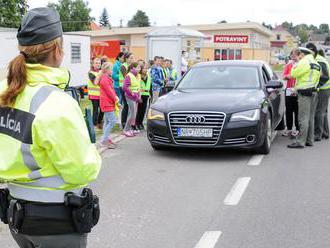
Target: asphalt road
206,199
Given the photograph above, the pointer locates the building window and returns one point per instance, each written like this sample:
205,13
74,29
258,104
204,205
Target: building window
278,37
231,54
227,54
75,53
217,54
238,54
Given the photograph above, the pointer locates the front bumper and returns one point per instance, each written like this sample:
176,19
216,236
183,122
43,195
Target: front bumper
242,134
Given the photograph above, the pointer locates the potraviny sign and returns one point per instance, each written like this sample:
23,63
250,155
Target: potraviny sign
231,39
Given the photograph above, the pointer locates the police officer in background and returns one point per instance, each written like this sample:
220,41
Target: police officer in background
47,158
321,116
307,74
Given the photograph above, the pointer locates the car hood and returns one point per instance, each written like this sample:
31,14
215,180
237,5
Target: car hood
224,100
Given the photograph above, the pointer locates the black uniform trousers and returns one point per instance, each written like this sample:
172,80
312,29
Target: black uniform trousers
291,105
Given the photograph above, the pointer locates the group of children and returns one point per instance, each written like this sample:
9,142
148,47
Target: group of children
128,85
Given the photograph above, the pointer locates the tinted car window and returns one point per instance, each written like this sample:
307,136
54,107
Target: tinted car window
272,74
221,77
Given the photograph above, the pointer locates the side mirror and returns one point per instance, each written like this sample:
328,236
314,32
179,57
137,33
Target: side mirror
274,84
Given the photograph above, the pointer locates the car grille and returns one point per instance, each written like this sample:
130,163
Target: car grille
236,141
161,139
212,120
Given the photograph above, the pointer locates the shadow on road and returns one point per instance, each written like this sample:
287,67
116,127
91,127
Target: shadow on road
204,154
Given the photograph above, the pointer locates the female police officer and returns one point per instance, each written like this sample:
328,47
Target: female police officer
45,148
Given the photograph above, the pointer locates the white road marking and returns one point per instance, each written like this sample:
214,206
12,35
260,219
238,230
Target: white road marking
237,191
255,160
209,239
274,136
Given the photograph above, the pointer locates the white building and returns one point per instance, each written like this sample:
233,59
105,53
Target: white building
76,54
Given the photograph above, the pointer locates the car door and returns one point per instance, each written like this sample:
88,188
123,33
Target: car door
274,95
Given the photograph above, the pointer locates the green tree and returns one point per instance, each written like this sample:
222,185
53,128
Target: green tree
303,34
269,26
288,26
11,12
104,19
140,19
313,28
223,21
75,14
324,28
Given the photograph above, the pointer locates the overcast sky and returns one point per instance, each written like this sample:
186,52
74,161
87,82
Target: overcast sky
172,12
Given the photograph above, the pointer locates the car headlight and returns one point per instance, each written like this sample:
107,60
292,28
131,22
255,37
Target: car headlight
155,115
250,115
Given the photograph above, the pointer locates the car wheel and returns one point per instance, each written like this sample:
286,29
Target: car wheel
265,148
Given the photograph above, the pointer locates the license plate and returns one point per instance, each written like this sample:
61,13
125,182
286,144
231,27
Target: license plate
195,132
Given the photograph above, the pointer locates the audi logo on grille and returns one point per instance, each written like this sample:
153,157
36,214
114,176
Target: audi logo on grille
195,119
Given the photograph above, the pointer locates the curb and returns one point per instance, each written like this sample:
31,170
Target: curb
117,139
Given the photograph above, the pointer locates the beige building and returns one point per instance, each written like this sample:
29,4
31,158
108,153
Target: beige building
223,41
282,42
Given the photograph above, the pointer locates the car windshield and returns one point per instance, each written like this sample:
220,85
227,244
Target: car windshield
221,77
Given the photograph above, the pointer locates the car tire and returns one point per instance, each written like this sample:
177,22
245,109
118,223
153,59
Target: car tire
265,147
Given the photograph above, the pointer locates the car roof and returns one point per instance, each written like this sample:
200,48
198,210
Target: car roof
256,63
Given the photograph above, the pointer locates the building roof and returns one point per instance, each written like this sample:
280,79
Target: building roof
174,32
94,26
204,27
318,37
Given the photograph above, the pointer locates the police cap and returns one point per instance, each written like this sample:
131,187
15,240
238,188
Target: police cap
306,50
38,26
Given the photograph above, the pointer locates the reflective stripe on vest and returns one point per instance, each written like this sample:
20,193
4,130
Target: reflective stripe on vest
93,90
145,86
39,195
41,95
135,83
325,61
312,82
23,190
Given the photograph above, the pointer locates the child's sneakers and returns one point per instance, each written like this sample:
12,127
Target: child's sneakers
108,144
128,134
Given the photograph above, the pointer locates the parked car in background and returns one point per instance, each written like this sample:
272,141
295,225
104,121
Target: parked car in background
327,51
222,104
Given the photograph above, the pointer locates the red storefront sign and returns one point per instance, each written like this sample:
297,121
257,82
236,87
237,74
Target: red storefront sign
231,38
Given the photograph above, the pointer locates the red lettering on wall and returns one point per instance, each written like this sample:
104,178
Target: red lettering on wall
231,38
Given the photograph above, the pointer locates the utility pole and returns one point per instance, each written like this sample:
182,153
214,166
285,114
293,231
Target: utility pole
121,23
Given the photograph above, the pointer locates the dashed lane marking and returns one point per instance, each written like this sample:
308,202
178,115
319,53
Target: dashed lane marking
237,191
255,160
209,239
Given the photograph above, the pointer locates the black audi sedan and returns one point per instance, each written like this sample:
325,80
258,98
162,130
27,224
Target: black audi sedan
222,104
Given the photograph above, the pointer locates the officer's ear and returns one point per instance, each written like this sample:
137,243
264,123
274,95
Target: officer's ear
58,53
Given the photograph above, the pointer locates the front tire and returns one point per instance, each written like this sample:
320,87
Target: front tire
265,147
